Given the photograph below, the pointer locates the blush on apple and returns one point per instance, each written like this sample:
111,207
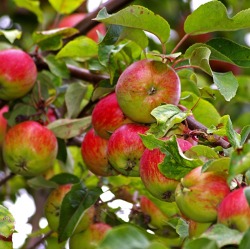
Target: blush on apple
94,154
199,193
107,116
234,210
155,182
29,149
143,86
18,74
125,148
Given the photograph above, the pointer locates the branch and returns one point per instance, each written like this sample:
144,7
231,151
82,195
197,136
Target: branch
6,178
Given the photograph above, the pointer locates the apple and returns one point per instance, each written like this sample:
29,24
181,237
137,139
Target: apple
53,205
73,19
234,210
18,74
125,148
199,193
107,116
197,228
29,149
155,182
90,238
143,86
94,154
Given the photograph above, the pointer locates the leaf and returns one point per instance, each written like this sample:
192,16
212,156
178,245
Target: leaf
138,17
75,202
199,243
31,5
244,134
182,228
80,48
247,194
52,39
66,6
68,128
166,117
245,242
217,165
7,225
217,19
74,97
11,35
40,182
223,235
125,237
64,178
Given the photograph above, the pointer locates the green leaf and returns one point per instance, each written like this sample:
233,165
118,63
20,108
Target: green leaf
198,105
31,5
217,165
40,182
245,242
166,117
212,16
223,235
199,243
75,202
7,225
247,194
244,134
240,161
66,6
64,178
125,237
68,128
74,97
52,39
138,17
81,48
182,228
11,35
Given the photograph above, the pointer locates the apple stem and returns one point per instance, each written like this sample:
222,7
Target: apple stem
179,43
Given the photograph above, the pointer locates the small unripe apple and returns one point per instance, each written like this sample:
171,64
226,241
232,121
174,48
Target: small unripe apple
125,148
199,194
143,86
234,210
155,182
29,149
18,74
107,116
90,238
94,154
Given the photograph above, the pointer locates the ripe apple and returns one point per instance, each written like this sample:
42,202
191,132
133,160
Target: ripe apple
155,182
125,148
94,154
29,149
234,210
74,19
143,86
53,205
199,193
18,74
107,116
90,238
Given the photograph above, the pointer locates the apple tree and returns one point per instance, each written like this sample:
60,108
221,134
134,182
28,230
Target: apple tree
141,103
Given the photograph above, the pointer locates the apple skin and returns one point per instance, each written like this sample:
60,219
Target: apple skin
90,238
197,228
94,154
29,149
155,182
199,194
74,19
234,210
53,205
107,116
18,74
125,149
143,86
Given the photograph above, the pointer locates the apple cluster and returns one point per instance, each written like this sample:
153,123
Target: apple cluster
113,146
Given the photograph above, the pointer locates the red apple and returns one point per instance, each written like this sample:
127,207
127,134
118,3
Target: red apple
3,123
74,19
18,74
143,86
125,148
29,148
234,210
155,182
107,116
90,238
94,154
199,193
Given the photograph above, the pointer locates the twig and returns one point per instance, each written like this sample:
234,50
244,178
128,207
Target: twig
6,178
41,240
